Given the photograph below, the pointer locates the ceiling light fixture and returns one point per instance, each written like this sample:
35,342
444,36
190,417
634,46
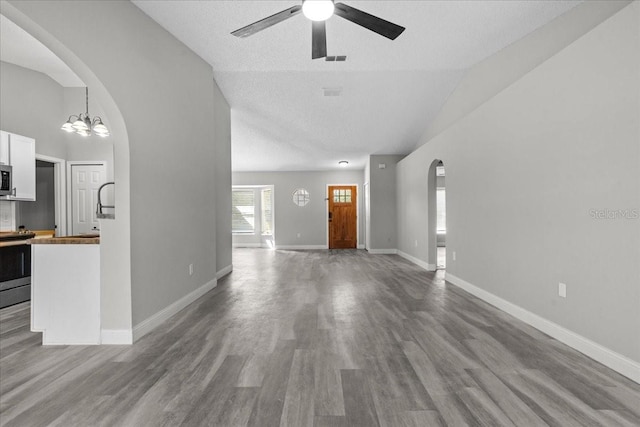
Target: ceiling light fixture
318,10
83,125
343,163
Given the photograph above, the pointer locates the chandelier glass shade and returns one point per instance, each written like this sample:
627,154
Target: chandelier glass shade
83,125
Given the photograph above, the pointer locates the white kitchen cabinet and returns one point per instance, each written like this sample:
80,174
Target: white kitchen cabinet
20,152
4,147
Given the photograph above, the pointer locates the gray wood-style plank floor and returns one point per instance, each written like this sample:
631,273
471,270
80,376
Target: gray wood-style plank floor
317,338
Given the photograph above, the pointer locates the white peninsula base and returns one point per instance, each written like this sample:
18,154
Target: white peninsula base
65,293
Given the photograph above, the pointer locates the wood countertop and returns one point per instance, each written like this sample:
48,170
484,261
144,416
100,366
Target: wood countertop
84,239
14,238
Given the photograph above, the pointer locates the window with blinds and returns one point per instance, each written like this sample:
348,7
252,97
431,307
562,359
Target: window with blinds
266,204
243,211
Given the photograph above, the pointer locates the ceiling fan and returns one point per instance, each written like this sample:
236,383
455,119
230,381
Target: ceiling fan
318,11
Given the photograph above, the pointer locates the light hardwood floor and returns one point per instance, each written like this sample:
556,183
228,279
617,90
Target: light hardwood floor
317,338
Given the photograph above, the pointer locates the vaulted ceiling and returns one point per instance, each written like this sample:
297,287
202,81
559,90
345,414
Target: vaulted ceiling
21,48
390,90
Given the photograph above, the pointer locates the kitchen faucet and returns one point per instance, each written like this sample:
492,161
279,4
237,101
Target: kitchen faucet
100,205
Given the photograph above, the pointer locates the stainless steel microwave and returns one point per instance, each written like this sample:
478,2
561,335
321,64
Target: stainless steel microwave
6,189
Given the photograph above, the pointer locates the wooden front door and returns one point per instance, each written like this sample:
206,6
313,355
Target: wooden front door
342,217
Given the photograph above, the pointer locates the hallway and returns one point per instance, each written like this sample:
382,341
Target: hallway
315,338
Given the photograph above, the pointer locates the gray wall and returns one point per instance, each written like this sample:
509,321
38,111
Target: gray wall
311,220
31,104
525,169
149,84
383,211
222,126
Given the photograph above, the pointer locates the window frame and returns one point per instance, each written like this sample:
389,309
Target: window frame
263,210
243,232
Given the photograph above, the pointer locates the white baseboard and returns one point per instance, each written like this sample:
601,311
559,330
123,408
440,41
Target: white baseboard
383,251
418,262
152,322
619,363
248,245
301,247
224,271
116,336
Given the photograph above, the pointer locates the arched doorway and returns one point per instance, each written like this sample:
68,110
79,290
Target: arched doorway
441,218
115,246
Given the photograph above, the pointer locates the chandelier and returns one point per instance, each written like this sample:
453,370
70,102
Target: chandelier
83,125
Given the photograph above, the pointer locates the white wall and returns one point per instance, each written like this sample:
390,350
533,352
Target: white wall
149,84
311,220
525,169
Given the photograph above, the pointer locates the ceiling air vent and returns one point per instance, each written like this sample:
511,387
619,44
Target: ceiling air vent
339,58
332,91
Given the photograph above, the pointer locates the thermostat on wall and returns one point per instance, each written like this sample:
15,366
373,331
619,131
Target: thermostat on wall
382,165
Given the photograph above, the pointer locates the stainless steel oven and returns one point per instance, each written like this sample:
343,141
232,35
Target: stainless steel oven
15,271
6,189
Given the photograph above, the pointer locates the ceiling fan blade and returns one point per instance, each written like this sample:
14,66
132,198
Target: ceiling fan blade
318,39
370,22
267,22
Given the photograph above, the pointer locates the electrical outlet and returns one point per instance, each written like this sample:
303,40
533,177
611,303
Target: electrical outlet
562,290
190,269
298,235
415,243
453,255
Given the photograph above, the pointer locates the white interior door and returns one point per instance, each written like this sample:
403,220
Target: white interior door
85,182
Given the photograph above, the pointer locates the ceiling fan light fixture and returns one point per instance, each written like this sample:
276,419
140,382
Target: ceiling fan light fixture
318,10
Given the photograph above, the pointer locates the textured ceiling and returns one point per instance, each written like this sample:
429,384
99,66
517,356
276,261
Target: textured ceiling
20,48
391,90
